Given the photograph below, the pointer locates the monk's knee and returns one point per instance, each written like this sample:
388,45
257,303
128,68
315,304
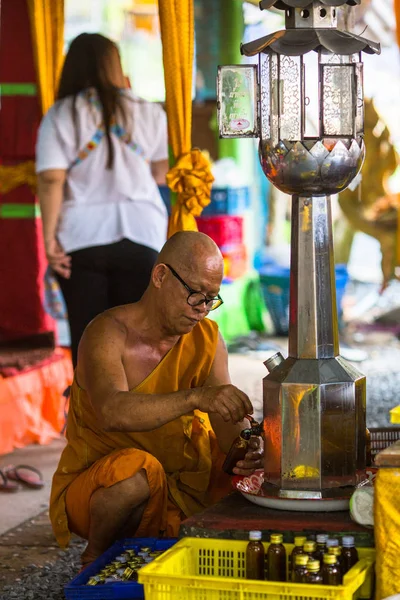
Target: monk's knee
137,474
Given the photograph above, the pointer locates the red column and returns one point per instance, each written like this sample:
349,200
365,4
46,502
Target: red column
22,259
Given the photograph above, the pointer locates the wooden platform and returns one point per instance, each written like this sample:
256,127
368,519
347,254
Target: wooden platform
234,517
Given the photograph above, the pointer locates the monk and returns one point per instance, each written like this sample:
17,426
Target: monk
152,410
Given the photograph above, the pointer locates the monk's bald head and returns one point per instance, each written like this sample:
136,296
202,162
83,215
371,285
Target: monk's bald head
191,250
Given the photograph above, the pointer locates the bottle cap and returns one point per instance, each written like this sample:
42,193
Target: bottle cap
321,538
301,559
313,565
330,559
255,536
300,540
331,542
309,546
276,538
348,541
335,550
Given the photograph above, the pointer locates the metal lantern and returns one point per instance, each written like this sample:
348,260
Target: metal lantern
305,103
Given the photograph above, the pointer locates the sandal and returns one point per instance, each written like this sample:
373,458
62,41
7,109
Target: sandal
20,475
6,485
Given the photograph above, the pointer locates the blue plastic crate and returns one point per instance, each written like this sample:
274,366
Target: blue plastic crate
275,285
228,201
224,201
127,590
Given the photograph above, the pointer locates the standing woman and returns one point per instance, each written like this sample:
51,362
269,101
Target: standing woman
101,152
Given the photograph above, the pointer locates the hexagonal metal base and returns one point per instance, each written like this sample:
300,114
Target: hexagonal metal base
314,424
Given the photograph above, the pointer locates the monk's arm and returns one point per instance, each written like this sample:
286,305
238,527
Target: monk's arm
219,375
102,374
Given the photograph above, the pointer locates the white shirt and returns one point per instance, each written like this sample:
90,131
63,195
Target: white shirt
103,206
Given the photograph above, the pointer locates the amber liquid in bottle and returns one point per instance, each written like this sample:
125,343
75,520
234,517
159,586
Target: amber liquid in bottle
321,547
276,557
300,570
299,542
237,452
330,572
239,447
349,553
314,575
255,557
337,552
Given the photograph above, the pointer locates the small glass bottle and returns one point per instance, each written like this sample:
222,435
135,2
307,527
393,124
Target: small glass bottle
255,556
300,570
337,551
299,542
314,572
321,546
330,571
349,553
240,445
310,548
276,558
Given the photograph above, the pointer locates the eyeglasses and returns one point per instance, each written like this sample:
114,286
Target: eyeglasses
196,298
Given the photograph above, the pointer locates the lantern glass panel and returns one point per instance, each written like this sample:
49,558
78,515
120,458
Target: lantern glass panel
265,95
311,96
359,99
338,100
274,60
237,91
290,102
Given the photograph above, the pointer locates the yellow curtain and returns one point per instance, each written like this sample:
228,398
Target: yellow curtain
47,26
191,176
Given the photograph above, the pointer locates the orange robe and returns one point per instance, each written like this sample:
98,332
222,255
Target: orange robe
182,459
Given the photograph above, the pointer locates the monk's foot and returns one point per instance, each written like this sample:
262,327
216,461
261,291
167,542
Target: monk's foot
88,556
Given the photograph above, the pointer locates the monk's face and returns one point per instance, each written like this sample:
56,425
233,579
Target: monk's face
183,288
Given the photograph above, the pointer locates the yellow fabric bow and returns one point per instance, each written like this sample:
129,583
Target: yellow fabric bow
13,176
191,179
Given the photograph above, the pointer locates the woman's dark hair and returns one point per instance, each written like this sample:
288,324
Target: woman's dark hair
89,64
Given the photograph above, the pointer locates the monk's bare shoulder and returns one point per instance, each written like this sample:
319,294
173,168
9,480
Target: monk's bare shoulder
108,325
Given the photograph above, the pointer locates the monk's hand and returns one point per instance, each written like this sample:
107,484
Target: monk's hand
226,400
253,460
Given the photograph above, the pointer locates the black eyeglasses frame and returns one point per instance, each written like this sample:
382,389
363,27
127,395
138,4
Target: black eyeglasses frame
192,291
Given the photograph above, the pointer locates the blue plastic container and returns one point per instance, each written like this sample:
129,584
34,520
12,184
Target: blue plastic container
224,201
127,590
275,285
228,201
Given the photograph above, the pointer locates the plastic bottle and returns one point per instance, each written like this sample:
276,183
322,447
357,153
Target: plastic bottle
299,542
310,548
330,571
321,546
300,570
349,553
314,572
276,557
255,556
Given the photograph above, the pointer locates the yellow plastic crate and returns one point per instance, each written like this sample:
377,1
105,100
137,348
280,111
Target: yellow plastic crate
209,569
